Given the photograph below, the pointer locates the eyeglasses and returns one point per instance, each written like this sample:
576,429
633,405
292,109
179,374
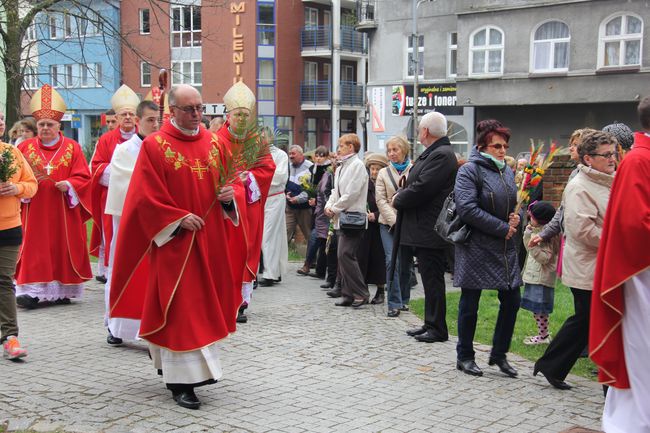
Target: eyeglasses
608,155
189,109
499,146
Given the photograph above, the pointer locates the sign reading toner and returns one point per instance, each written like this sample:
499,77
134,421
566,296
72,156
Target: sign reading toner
432,97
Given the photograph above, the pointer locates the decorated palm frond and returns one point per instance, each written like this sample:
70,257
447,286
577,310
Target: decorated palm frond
7,164
534,172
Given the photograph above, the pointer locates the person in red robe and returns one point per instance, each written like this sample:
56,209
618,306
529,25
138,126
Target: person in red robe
53,261
240,104
619,342
175,214
125,103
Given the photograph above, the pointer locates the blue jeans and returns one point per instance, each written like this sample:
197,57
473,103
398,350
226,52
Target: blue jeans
312,247
399,290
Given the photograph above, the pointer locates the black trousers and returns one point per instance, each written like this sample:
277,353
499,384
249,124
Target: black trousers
321,261
509,301
332,261
431,263
563,352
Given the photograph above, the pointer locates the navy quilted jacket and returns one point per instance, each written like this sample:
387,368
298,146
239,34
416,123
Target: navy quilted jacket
488,260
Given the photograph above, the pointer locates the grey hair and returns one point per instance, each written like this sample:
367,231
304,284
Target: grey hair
296,147
435,123
592,140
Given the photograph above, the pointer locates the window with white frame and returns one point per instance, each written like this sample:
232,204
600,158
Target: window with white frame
56,76
90,75
30,33
311,132
551,47
311,17
620,42
90,25
52,26
31,77
347,73
310,72
68,25
145,25
284,125
186,26
145,74
452,54
190,72
410,60
486,52
265,80
69,76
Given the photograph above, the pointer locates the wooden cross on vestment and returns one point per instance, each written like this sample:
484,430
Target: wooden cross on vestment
199,168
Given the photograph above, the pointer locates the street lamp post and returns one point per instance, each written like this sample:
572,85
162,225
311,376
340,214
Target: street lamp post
415,44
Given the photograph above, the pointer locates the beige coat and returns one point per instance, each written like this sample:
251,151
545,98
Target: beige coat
350,191
384,192
585,202
541,261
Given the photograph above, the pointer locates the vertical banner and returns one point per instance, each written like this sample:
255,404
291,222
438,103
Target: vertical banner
378,108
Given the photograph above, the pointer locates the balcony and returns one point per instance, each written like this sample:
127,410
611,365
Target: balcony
366,10
317,95
316,41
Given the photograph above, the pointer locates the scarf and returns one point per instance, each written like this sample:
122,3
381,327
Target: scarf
401,167
499,164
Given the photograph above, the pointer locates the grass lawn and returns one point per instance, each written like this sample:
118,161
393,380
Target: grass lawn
525,326
89,227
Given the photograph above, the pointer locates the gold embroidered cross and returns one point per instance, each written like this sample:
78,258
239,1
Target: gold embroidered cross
199,168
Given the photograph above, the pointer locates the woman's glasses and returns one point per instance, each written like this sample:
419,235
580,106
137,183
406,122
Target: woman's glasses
607,155
499,146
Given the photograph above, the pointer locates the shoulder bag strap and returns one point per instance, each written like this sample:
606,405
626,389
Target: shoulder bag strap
392,179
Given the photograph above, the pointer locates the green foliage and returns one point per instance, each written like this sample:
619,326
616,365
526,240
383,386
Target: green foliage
7,164
525,326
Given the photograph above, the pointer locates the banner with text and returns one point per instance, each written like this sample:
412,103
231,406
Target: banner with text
432,97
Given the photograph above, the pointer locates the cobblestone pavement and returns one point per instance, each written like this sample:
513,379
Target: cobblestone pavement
299,365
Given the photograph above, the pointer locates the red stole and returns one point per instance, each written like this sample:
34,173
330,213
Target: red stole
102,223
54,243
252,213
193,293
622,254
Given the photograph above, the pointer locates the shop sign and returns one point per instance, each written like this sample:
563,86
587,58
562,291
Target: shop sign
431,97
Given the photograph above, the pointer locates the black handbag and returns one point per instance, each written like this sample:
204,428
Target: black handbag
448,225
352,220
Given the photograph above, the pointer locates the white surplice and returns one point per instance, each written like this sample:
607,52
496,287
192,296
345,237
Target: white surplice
275,250
628,410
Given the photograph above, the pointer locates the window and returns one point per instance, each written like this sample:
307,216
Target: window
284,125
145,74
31,78
30,33
327,71
452,54
620,42
410,60
347,73
186,26
145,27
69,76
265,80
52,27
265,24
187,73
311,72
67,25
56,75
91,75
310,133
311,17
89,26
486,52
551,47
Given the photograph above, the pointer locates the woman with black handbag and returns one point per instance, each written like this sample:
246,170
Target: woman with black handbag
489,258
347,205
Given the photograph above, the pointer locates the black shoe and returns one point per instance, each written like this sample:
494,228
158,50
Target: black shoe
404,308
112,340
187,399
504,366
416,331
27,301
393,313
327,286
63,301
242,317
429,337
378,299
555,383
336,293
345,302
265,282
101,279
469,367
315,275
358,303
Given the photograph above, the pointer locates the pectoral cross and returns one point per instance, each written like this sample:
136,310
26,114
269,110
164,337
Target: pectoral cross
199,168
48,169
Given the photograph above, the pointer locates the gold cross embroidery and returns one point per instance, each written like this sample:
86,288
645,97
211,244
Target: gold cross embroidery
199,169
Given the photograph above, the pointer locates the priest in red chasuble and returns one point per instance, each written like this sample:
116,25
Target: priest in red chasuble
53,261
176,213
619,335
125,103
240,105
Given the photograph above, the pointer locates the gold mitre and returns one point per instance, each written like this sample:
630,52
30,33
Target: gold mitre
239,96
124,97
47,103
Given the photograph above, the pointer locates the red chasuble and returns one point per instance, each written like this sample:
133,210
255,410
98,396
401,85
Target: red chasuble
194,285
54,244
252,213
622,254
102,223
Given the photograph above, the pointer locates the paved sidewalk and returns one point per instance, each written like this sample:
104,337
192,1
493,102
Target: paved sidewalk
299,365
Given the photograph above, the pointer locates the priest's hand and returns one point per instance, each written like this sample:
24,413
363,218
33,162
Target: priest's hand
8,189
226,195
62,186
192,222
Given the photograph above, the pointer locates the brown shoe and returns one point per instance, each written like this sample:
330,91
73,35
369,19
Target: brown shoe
304,270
